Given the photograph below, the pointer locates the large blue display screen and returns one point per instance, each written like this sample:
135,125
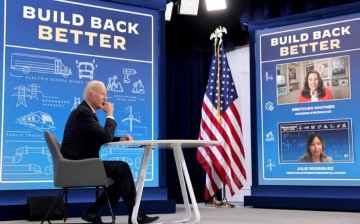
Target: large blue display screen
50,51
287,118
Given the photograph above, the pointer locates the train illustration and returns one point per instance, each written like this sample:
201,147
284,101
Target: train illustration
37,120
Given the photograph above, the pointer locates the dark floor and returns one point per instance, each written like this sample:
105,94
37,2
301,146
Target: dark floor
246,215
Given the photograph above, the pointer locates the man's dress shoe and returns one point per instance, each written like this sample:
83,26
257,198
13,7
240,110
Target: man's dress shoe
142,219
93,218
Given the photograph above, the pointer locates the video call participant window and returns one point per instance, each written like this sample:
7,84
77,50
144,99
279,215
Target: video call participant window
336,135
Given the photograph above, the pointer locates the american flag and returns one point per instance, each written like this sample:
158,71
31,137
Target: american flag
221,122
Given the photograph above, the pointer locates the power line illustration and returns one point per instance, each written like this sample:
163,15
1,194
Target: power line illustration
21,94
33,89
24,92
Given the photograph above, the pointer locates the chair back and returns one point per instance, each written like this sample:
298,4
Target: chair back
54,147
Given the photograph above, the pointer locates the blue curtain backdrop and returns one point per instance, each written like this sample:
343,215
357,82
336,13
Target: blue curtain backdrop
185,87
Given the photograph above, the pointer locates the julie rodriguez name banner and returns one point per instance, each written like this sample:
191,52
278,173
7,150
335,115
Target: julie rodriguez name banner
285,55
50,51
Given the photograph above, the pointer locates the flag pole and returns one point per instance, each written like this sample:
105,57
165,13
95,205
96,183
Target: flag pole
224,202
217,36
214,202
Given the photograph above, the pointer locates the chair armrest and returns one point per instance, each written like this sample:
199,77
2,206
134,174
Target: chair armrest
80,173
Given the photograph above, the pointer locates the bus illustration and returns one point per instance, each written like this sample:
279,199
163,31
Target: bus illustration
86,70
35,63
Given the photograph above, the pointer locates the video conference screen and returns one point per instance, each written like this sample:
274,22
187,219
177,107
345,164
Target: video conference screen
50,51
308,95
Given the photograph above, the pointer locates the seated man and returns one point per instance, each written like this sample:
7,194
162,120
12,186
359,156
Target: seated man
83,137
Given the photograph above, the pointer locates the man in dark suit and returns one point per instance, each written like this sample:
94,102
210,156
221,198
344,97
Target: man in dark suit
83,137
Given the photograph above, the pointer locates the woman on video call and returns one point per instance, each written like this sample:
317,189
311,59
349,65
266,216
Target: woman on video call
314,89
315,148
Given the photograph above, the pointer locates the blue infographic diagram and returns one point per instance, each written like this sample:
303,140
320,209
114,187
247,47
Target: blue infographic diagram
287,59
49,57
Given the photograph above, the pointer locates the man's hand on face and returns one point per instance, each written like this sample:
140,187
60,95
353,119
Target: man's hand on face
108,108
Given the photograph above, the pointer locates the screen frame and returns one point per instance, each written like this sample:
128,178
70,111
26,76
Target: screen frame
157,34
286,190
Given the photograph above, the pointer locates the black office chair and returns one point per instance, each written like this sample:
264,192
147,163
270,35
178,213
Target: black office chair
74,174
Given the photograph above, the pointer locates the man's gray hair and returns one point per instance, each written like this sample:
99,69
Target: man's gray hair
92,86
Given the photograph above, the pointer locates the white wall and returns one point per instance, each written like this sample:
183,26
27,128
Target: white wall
239,62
